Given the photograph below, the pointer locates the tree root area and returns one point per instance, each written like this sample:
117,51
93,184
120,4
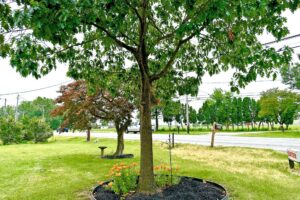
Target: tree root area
187,189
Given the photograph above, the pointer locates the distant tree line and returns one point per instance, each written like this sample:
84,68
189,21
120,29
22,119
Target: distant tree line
274,107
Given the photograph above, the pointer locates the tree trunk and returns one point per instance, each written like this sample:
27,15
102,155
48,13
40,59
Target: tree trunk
88,135
120,145
259,124
281,127
146,178
212,142
287,126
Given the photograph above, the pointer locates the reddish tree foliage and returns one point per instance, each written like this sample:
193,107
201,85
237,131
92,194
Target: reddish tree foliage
80,110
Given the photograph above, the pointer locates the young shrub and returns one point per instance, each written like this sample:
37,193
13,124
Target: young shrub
10,131
38,130
27,134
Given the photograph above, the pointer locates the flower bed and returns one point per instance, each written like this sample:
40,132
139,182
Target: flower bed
125,179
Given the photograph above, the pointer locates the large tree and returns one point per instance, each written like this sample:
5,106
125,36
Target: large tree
155,38
80,109
280,105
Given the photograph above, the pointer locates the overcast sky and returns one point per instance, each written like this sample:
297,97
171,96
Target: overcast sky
11,81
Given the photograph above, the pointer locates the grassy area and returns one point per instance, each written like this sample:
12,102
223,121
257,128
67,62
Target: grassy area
277,134
68,167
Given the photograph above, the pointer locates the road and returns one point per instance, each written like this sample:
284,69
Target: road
222,139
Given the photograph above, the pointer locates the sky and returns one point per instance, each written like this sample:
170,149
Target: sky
12,82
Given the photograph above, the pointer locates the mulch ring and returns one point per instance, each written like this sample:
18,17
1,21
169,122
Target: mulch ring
118,157
187,189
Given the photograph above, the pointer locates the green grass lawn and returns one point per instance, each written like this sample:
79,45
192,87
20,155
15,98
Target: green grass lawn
277,134
68,168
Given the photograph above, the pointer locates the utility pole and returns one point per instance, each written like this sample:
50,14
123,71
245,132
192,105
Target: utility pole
187,111
16,113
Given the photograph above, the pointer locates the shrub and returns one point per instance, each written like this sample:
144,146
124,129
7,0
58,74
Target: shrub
37,130
10,131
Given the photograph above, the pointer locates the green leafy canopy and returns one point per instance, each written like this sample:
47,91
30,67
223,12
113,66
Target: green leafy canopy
99,37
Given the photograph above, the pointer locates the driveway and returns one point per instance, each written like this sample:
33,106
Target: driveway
279,144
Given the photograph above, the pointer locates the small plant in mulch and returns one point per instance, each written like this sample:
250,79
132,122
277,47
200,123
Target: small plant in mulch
124,178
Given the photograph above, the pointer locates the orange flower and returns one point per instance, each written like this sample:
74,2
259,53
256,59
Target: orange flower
100,182
110,184
118,174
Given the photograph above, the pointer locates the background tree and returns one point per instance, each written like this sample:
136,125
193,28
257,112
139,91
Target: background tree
8,111
280,106
246,110
40,107
156,39
291,75
171,109
80,109
234,112
192,115
72,107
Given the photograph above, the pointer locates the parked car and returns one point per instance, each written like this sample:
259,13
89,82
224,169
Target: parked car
135,128
62,130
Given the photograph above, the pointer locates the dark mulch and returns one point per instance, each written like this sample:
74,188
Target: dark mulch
118,157
103,194
187,189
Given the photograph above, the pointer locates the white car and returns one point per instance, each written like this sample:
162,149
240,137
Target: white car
135,128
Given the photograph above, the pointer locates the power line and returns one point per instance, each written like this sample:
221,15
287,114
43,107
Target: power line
283,39
34,90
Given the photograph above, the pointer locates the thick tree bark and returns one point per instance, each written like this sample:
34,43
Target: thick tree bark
120,145
146,179
212,142
88,135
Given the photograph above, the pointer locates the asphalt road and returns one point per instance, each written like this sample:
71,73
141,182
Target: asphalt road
222,139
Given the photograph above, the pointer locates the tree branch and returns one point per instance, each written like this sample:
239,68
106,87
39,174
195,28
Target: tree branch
168,35
113,37
134,10
70,47
169,64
